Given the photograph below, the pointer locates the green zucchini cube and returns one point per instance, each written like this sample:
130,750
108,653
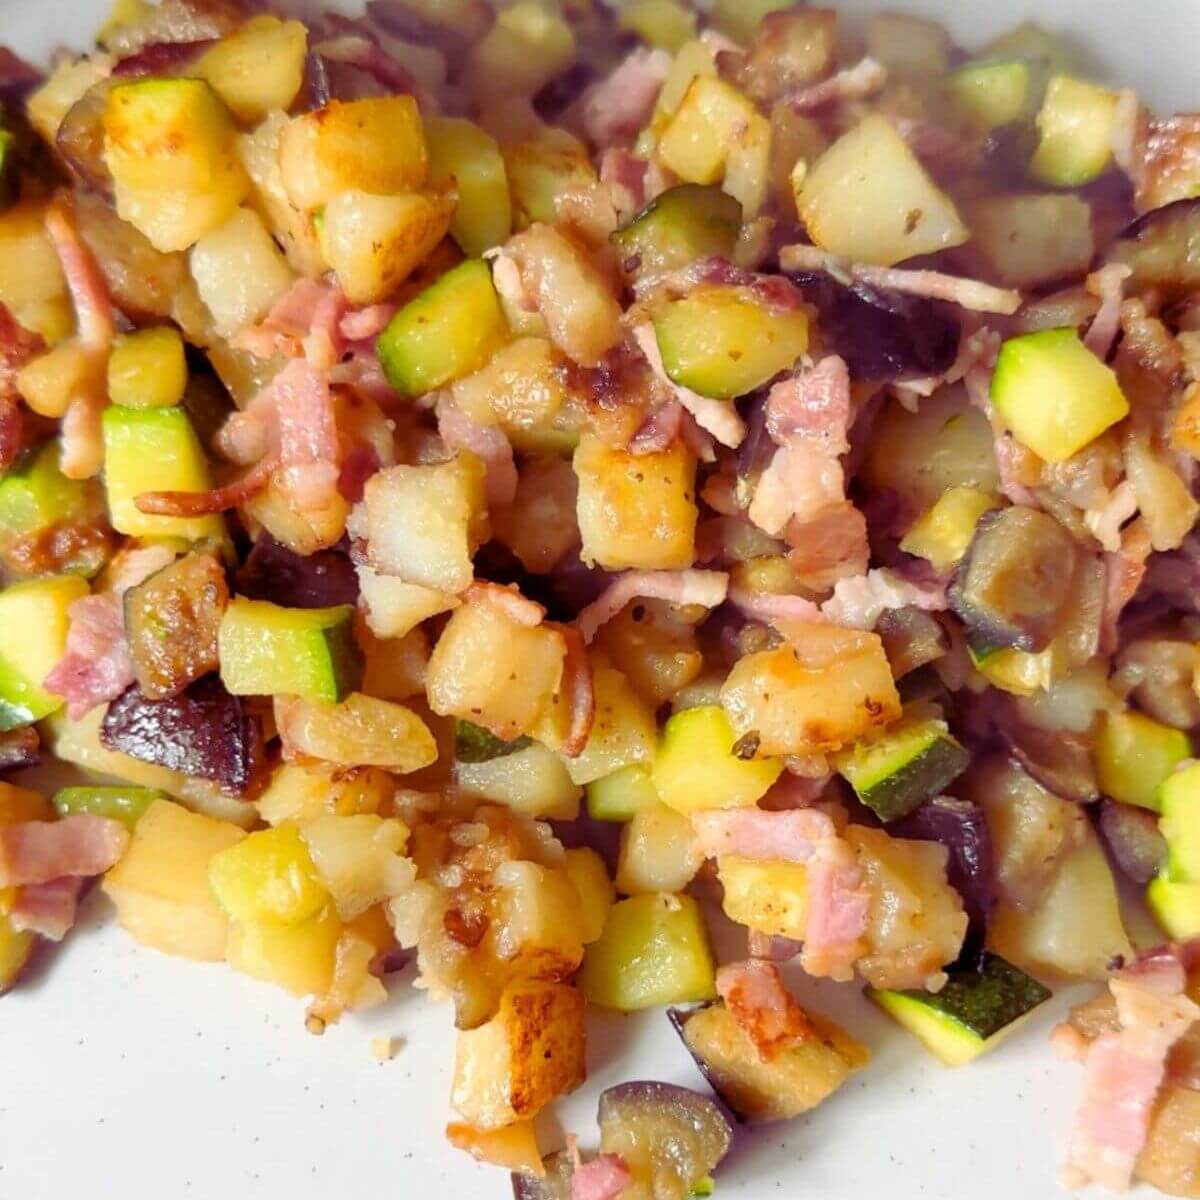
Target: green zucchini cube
1176,907
1135,754
123,803
990,94
681,225
621,795
1179,804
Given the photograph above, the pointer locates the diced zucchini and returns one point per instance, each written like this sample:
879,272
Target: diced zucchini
725,341
768,897
1034,237
268,877
125,804
976,1009
942,534
1179,804
151,450
1015,671
698,765
739,18
900,768
1076,127
621,795
681,225
531,779
266,649
653,951
1135,755
586,870
460,152
665,24
869,198
448,331
539,172
147,369
1054,394
990,93
529,44
374,145
258,68
474,744
1176,907
33,636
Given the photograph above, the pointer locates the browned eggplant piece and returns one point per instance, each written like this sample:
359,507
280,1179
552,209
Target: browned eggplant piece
554,1185
911,639
20,748
882,335
1133,837
1159,669
171,621
1162,248
669,1136
797,1079
275,573
203,732
1014,583
1060,761
963,829
80,137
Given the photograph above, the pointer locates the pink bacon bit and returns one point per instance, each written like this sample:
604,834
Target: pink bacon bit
96,666
705,588
47,909
755,995
34,852
604,1178
616,108
858,82
578,685
487,442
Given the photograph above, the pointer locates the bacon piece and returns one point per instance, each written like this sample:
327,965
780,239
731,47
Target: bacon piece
814,404
1125,1069
831,545
659,429
577,684
94,314
971,294
839,903
47,909
716,416
615,109
17,346
1108,286
39,851
1124,572
772,947
864,79
604,1178
291,320
362,324
508,599
755,995
706,588
632,182
510,283
96,666
800,481
487,442
792,836
773,609
858,603
1012,459
199,504
1105,521
363,373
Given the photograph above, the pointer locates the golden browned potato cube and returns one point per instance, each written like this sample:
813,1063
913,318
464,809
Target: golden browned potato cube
531,1051
623,731
636,510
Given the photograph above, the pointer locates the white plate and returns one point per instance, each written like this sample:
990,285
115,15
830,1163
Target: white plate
130,1075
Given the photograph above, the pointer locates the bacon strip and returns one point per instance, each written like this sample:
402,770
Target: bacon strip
604,1178
578,685
1108,286
47,909
864,79
199,504
707,588
40,851
96,666
755,995
716,416
971,294
487,442
616,108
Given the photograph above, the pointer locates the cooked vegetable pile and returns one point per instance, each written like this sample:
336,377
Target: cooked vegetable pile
508,488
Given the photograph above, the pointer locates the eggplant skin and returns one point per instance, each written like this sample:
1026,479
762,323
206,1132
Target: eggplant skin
679,1018
1016,579
275,573
203,732
1162,247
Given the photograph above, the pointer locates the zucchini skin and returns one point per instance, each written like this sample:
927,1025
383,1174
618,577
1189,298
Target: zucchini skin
918,780
474,744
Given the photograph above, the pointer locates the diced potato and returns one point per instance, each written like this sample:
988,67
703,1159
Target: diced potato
531,1051
257,68
513,1147
19,804
1032,238
539,172
374,243
239,272
302,794
394,667
30,274
49,382
636,510
693,59
827,688
529,45
1170,1159
423,523
66,84
374,145
699,764
1076,929
464,157
768,897
301,958
301,530
268,878
916,923
361,731
658,853
531,781
160,886
908,45
294,227
147,369
869,198
520,387
395,608
16,948
739,19
537,921
791,50
488,669
176,219
359,859
655,646
654,951
586,870
623,731
943,533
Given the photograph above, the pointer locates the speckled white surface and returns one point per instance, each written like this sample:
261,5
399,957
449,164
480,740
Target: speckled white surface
129,1075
